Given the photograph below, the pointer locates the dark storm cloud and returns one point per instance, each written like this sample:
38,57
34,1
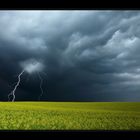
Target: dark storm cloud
88,55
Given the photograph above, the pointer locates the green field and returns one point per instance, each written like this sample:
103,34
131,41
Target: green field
69,116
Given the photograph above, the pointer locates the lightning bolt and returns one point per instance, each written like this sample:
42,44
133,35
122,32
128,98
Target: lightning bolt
41,82
15,88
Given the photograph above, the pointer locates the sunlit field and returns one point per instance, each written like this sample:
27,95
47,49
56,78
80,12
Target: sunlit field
69,116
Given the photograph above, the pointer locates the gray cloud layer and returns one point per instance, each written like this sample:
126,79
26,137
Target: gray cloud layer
88,55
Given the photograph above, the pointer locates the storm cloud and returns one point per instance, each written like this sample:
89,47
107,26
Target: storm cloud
87,55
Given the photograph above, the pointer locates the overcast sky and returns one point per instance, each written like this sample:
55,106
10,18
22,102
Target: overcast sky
87,55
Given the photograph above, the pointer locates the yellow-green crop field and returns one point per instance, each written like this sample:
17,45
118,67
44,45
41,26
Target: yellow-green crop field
69,115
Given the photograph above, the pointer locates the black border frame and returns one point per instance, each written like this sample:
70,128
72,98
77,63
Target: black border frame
69,5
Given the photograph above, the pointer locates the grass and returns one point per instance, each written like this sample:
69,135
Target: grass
69,116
